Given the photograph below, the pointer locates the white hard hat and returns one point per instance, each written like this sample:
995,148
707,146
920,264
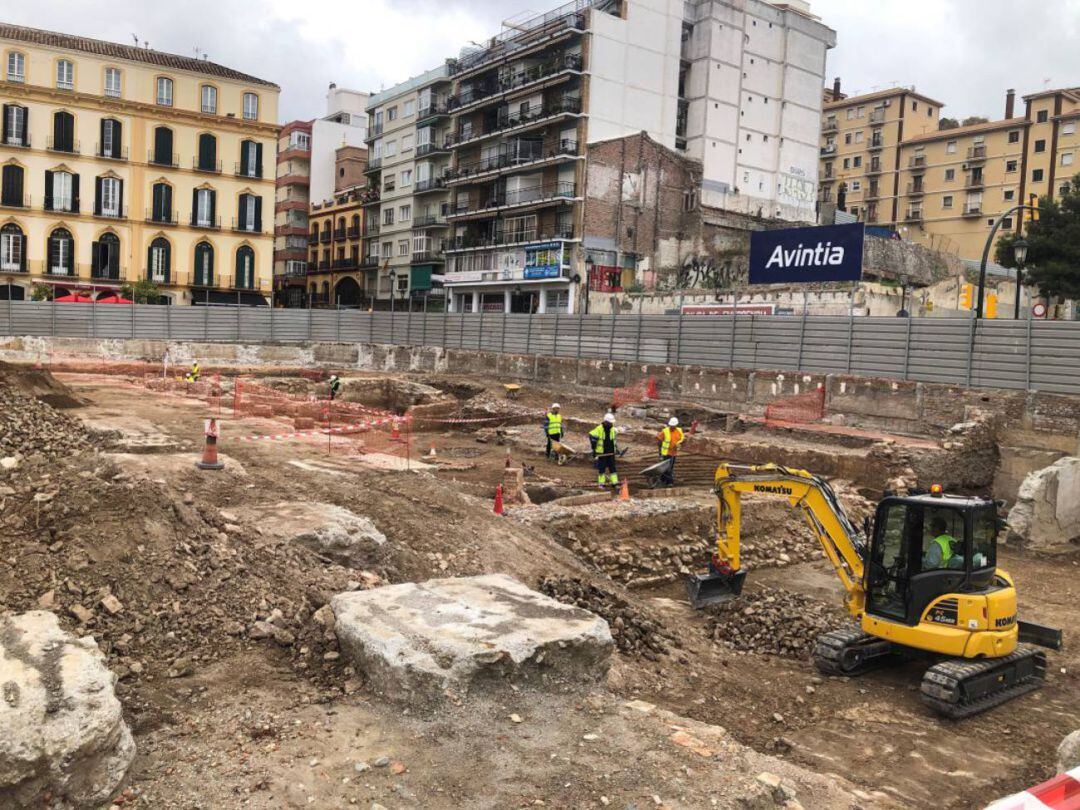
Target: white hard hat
555,406
673,422
609,418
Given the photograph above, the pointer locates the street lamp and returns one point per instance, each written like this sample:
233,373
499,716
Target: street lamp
393,289
1020,253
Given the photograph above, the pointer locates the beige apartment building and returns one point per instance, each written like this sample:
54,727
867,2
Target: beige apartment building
408,202
121,163
945,188
291,204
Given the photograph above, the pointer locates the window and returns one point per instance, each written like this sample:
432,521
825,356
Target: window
65,74
61,191
1040,146
929,112
300,140
110,192
15,132
60,253
857,161
249,213
250,159
406,178
386,250
1006,223
388,216
391,114
847,163
403,247
245,268
209,99
1068,128
1064,190
12,248
204,213
1037,176
950,175
11,194
407,143
1042,116
63,139
408,109
1067,159
856,185
858,136
847,139
1009,194
947,201
204,265
16,67
251,107
164,91
950,148
207,159
158,261
1010,165
1014,136
112,82
389,148
163,147
162,203
914,106
110,146
860,112
404,213
851,114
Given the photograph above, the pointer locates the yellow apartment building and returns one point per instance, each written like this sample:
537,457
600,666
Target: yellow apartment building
335,275
122,163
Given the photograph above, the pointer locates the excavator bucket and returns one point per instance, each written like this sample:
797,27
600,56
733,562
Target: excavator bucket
714,588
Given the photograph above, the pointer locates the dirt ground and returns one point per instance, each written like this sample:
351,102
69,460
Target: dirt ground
222,719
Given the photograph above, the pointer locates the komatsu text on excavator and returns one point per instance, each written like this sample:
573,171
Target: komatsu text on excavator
921,580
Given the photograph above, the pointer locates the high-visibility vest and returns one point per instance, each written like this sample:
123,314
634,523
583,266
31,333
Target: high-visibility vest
945,543
554,424
335,385
597,433
670,439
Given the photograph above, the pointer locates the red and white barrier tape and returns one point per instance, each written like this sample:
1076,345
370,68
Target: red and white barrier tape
503,418
300,434
1060,793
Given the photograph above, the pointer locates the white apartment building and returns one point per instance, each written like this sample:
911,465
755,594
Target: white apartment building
345,124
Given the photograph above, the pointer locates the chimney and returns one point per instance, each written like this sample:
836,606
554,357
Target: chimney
836,88
1010,103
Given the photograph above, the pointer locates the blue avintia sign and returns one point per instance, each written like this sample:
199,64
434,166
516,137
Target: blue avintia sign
802,255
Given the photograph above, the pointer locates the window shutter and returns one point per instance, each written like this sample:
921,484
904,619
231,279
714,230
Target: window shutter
120,199
194,206
58,131
163,150
22,251
54,253
117,139
207,151
243,158
166,202
213,208
258,212
75,193
101,136
97,196
48,190
258,160
94,260
6,114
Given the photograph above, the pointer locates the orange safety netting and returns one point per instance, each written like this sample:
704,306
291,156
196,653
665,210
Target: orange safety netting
641,391
799,409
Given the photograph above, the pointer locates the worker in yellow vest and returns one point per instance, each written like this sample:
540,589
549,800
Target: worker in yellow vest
193,375
669,440
553,427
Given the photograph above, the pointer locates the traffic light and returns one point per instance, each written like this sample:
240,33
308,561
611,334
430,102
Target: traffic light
967,295
991,305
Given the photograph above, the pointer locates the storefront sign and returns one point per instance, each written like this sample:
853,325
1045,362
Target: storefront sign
544,261
729,309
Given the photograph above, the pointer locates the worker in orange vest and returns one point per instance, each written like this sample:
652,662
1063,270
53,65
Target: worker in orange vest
669,440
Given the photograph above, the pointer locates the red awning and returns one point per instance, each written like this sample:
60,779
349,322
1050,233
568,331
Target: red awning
74,299
115,298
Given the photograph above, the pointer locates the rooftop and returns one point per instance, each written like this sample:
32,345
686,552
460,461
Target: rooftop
892,92
112,50
973,129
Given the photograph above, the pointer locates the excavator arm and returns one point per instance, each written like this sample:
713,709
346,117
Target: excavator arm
842,543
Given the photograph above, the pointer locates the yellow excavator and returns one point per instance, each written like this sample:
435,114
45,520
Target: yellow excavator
921,580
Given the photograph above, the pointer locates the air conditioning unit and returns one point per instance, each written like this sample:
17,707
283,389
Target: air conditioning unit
887,102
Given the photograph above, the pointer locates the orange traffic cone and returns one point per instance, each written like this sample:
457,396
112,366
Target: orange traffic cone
624,493
499,510
210,458
395,432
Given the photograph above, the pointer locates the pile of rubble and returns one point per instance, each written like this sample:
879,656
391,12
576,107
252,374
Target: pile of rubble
773,622
635,634
29,427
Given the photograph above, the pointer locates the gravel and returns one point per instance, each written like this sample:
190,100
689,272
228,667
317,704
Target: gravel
773,622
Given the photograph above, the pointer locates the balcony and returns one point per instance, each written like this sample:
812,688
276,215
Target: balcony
873,192
915,189
913,215
917,163
430,184
345,264
339,234
828,149
252,173
112,213
515,238
353,232
160,217
168,161
425,149
431,112
479,94
291,179
374,131
113,154
239,226
877,117
64,147
976,154
973,209
429,221
527,154
371,228
829,127
534,195
873,168
506,122
205,223
106,274
207,167
20,142
374,165
295,272
876,144
325,236
558,22
428,257
370,198
974,180
15,201
370,262
313,239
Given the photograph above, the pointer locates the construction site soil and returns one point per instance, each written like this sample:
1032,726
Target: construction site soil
233,683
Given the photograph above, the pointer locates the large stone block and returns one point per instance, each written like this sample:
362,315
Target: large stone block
63,729
418,642
1047,511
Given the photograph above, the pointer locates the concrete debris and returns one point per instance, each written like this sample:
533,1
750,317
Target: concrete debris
421,641
64,732
1046,516
29,427
1068,753
329,530
773,622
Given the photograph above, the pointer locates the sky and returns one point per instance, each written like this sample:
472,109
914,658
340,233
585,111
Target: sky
965,53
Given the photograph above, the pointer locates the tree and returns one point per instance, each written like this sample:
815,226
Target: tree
41,292
142,291
948,123
974,119
1053,261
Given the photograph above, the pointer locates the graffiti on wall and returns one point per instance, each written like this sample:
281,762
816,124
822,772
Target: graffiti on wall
707,273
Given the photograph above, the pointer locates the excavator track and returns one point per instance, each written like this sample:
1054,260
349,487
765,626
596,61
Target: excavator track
850,652
959,688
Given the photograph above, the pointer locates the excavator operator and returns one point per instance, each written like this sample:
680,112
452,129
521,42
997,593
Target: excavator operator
940,553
